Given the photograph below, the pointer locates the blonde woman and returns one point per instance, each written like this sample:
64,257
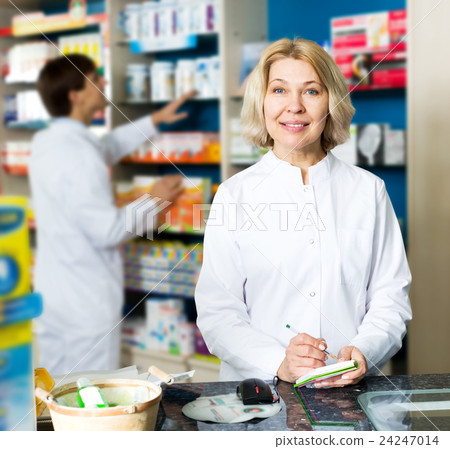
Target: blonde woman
301,238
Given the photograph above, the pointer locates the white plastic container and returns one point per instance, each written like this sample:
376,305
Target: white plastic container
184,76
167,20
204,16
162,81
137,83
202,84
214,76
148,21
131,21
183,19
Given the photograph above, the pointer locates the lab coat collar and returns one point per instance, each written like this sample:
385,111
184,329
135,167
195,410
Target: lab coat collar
317,173
75,126
69,122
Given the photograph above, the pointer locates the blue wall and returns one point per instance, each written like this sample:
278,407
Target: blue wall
295,18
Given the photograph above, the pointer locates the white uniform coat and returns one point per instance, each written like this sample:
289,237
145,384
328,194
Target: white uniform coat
78,267
327,258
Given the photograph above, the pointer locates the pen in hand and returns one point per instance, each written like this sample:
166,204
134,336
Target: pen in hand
295,331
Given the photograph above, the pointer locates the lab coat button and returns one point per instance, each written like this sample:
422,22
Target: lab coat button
306,189
311,241
312,294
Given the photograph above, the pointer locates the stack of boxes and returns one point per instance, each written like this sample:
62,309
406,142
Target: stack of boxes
17,308
370,49
187,214
163,267
16,157
186,147
373,145
167,327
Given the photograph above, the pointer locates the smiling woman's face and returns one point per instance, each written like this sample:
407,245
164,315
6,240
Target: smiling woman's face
295,106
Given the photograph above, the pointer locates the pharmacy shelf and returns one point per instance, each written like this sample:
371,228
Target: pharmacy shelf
144,358
15,171
15,182
383,167
32,125
162,102
234,30
205,371
12,81
180,43
36,26
159,294
156,163
36,125
361,88
5,32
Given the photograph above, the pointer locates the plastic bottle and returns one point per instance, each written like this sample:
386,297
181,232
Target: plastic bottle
147,21
131,21
202,85
77,9
214,76
184,76
162,81
89,395
137,83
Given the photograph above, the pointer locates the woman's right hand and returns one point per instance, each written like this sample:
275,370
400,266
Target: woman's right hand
303,354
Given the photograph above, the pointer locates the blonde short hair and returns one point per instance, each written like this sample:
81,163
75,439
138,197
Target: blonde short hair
340,108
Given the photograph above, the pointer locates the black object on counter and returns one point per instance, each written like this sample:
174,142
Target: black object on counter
255,391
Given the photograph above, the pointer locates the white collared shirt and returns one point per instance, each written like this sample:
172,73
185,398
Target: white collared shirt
327,258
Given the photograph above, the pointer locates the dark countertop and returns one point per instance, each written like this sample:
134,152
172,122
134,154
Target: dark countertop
335,405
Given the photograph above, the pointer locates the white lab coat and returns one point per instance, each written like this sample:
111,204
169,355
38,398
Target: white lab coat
326,258
78,266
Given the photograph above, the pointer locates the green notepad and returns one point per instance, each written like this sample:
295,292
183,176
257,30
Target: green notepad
326,371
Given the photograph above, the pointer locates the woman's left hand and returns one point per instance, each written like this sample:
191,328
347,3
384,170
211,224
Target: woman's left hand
353,377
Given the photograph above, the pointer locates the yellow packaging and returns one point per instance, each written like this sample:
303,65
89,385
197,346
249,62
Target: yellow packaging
14,248
42,379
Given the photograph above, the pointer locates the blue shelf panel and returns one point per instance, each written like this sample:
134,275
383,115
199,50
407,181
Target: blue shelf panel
170,44
33,125
42,124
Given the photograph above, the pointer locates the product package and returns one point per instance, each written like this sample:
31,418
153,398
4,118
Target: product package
88,44
186,147
186,214
17,309
14,248
241,151
163,267
373,145
26,60
16,156
151,26
370,49
167,328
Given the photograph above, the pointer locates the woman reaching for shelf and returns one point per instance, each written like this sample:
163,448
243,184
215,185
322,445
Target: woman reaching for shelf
301,237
